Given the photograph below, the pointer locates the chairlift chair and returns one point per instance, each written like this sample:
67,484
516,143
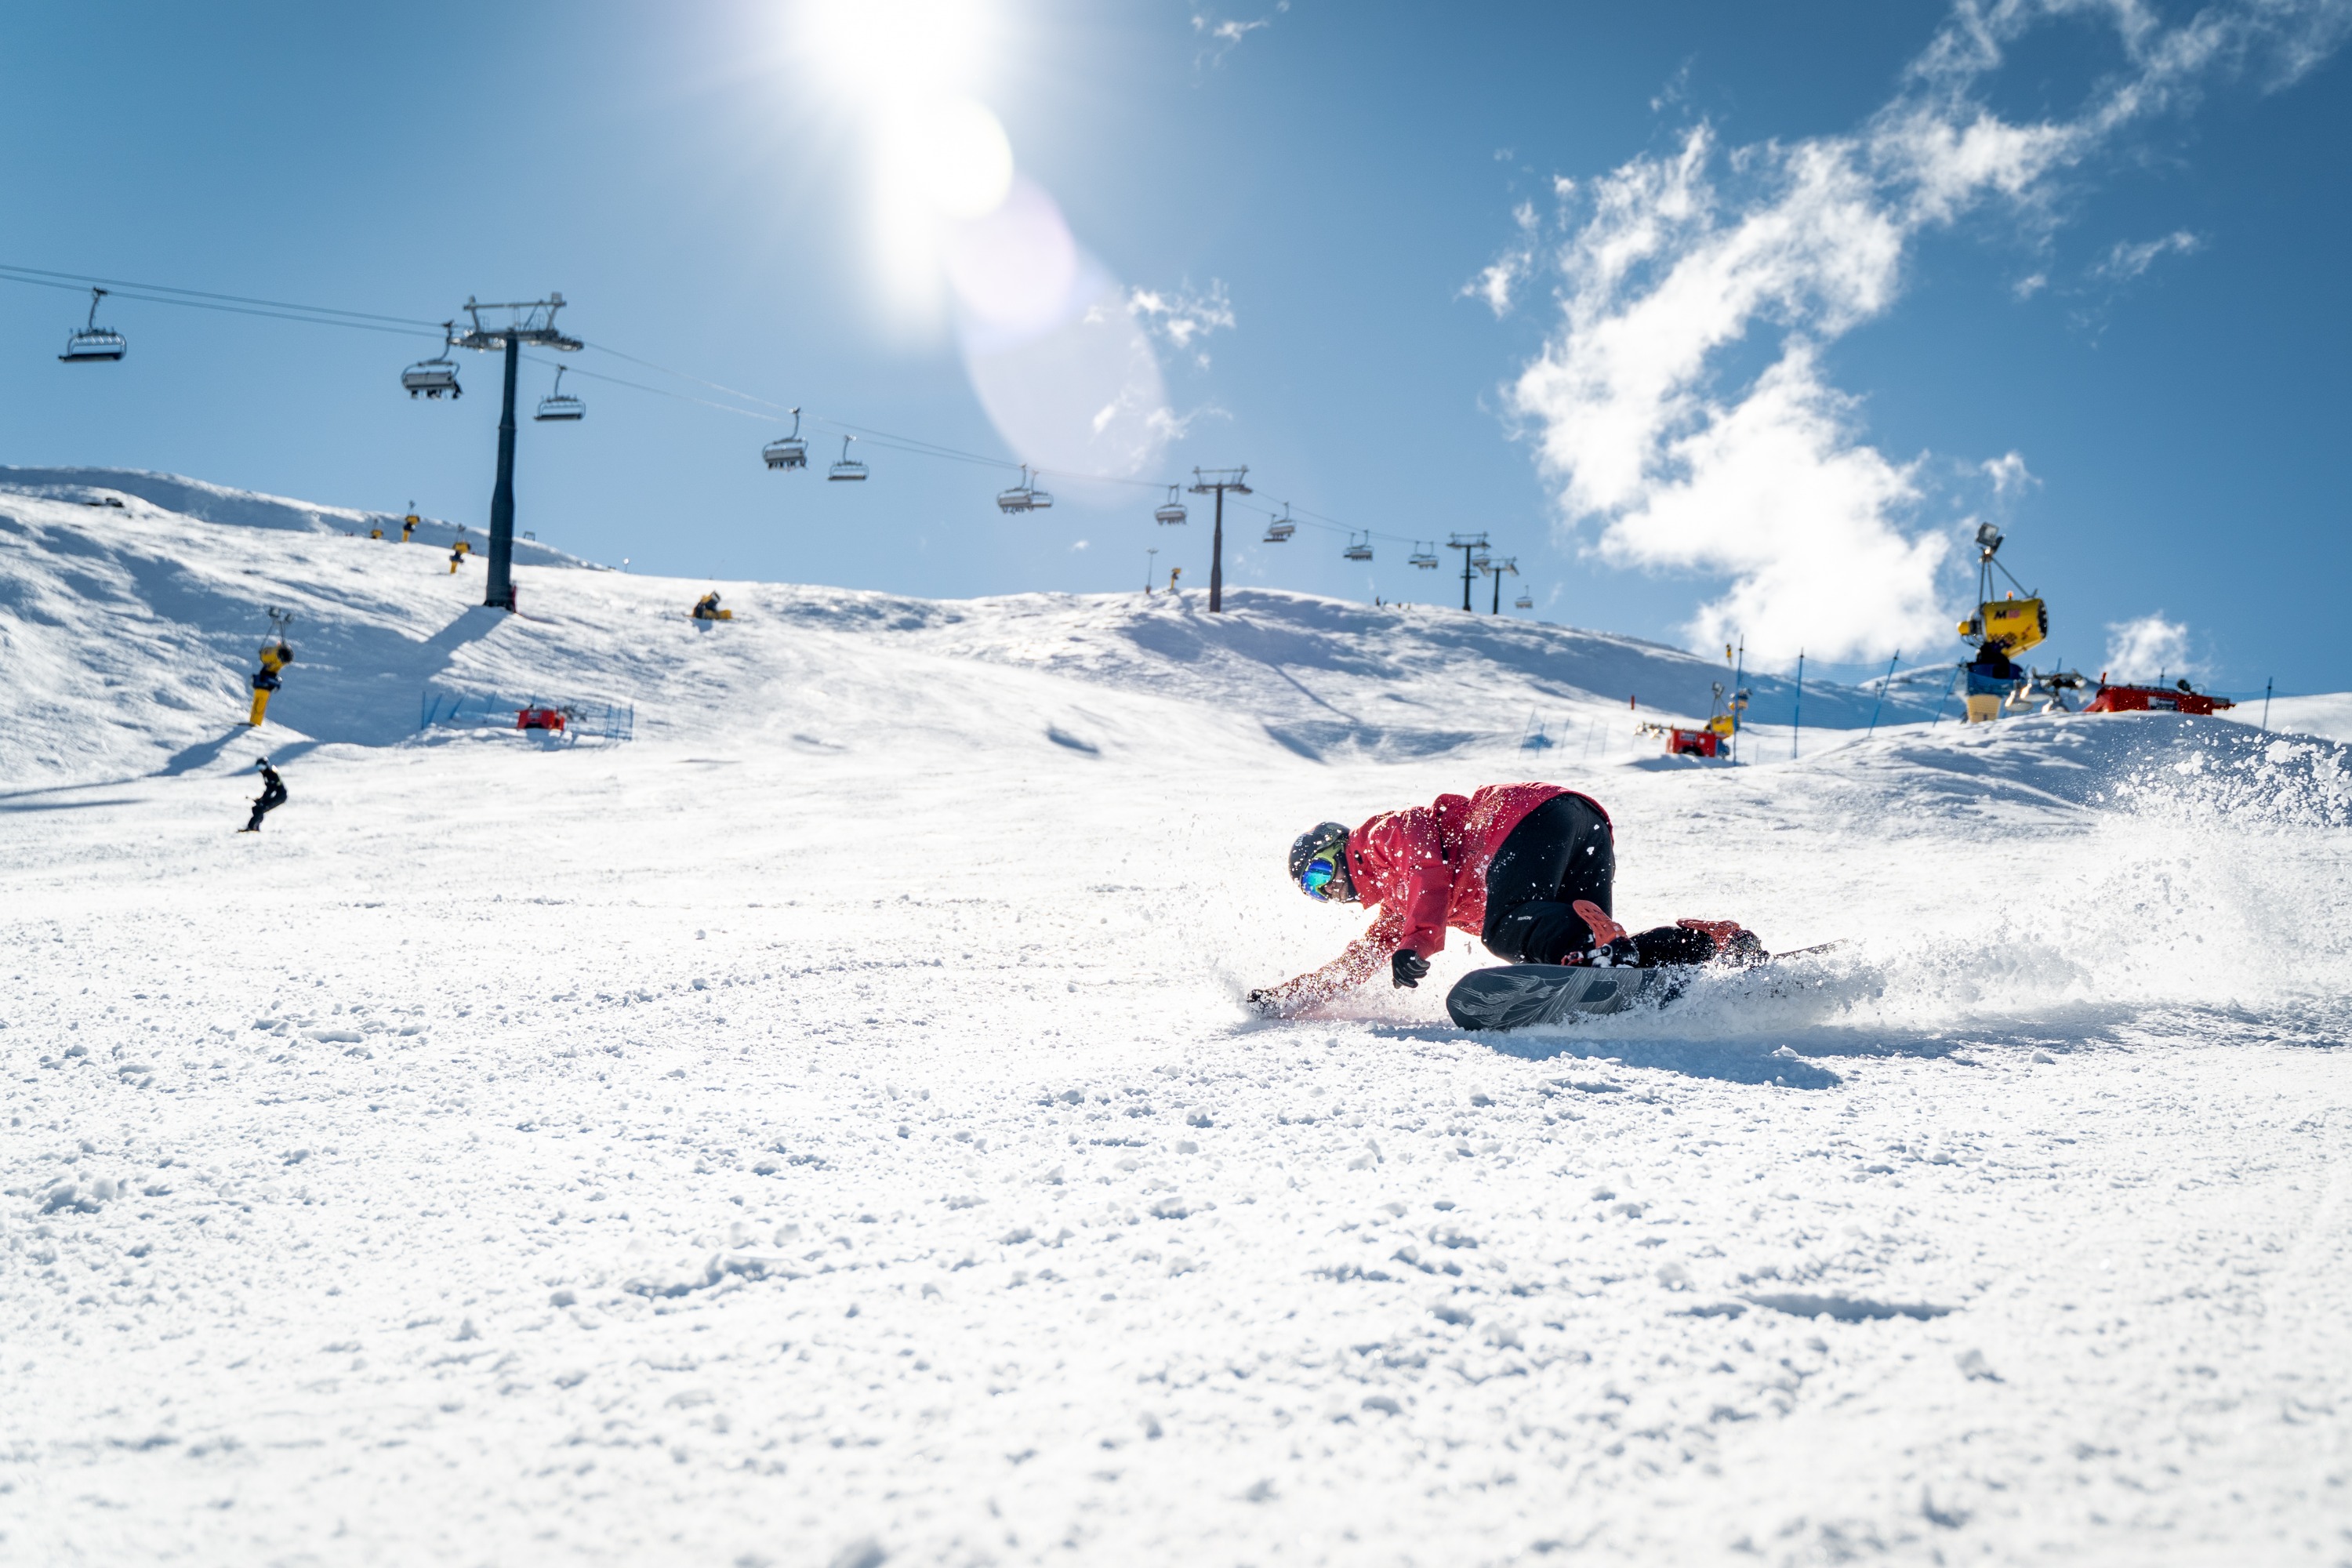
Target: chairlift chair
1014,497
1280,529
1358,549
433,376
1170,512
848,468
93,343
1023,497
787,451
1526,601
1423,556
557,405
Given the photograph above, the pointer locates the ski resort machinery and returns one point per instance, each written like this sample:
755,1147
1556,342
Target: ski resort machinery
2000,629
2180,699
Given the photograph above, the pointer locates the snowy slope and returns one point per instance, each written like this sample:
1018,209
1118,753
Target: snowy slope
245,509
131,633
824,1130
2328,714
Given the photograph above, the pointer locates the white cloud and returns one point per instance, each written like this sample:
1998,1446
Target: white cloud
1673,262
2149,649
2126,261
1494,284
1181,316
1225,34
2007,474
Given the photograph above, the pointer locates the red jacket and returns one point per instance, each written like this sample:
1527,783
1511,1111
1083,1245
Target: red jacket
1425,867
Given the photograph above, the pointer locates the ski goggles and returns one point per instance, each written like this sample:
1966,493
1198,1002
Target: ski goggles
1316,880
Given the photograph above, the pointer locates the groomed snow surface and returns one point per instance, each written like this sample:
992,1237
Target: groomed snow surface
826,1131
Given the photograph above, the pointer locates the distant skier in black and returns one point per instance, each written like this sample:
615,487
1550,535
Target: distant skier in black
272,796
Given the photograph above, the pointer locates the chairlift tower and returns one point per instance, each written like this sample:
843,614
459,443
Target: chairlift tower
1496,566
1470,545
1216,482
528,322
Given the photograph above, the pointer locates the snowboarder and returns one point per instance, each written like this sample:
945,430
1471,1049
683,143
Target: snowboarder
706,608
1529,868
272,796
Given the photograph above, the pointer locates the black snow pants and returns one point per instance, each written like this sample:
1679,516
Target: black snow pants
273,795
1560,852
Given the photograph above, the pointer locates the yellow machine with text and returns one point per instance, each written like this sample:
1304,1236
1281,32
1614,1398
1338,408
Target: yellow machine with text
2000,629
275,656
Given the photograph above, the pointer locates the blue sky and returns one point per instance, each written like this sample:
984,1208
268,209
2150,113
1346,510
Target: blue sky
1777,420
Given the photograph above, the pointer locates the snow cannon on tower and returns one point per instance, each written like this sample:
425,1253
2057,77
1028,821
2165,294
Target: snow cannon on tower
2000,629
276,655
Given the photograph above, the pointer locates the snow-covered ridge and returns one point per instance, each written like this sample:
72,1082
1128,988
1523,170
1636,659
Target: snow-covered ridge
244,508
131,629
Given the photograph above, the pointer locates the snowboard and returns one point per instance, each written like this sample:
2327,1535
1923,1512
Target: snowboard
1514,996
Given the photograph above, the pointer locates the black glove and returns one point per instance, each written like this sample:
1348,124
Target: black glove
1408,967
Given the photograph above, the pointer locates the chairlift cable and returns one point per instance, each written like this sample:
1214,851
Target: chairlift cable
404,326
204,300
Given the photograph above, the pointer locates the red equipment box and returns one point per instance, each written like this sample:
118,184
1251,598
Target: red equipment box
2154,699
1693,744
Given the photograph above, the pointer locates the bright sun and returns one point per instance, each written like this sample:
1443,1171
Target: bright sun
897,48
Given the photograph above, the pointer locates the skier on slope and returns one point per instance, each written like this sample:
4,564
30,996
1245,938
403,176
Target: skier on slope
1526,868
272,796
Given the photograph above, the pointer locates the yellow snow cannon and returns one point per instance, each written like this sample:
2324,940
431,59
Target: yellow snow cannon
2009,626
274,659
408,526
457,555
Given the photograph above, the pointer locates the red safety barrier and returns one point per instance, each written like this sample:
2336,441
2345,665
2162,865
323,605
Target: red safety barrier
539,718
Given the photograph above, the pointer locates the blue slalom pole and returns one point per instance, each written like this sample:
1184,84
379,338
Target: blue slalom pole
1737,669
1796,724
1882,695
